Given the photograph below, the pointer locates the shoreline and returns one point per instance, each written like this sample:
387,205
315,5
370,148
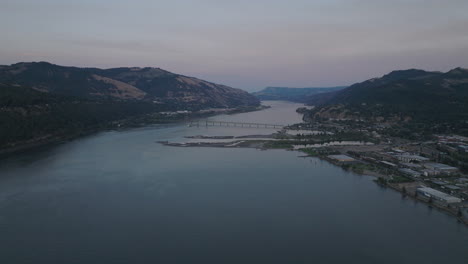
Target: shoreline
128,123
398,187
401,188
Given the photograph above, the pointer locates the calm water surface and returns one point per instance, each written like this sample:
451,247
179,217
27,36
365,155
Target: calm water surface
119,197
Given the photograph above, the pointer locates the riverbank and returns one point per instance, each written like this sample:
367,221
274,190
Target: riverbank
406,189
132,122
453,211
324,150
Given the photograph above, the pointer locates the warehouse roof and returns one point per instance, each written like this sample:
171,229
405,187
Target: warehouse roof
440,166
440,195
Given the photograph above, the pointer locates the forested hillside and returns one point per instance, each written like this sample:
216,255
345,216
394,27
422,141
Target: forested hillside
27,115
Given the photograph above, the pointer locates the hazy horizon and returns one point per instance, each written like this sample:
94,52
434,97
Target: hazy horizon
243,44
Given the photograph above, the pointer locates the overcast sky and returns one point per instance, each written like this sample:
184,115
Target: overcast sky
247,44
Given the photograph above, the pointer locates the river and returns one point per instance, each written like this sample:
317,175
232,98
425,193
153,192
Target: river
120,197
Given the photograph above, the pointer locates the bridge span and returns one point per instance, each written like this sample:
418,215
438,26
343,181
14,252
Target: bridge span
208,123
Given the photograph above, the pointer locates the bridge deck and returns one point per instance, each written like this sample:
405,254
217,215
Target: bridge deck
234,124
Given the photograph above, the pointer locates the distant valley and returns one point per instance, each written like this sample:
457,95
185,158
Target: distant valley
299,95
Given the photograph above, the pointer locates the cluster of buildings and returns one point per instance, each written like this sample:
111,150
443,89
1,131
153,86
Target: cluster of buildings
436,169
453,143
440,183
180,112
414,165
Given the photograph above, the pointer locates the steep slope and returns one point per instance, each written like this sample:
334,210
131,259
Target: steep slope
300,95
399,96
165,86
147,84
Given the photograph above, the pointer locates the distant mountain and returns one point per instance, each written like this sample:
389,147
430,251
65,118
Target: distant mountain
125,84
293,94
399,96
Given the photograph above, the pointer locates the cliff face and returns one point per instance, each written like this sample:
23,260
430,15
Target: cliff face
126,84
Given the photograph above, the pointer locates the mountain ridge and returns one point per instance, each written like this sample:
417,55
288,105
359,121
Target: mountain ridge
42,103
125,83
405,95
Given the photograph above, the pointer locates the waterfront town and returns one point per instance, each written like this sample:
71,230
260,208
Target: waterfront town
431,171
417,169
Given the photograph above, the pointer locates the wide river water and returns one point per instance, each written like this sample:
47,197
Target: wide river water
120,197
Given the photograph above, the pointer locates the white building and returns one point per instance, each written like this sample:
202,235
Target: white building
438,195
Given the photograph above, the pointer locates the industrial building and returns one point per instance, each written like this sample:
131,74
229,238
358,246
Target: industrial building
462,148
411,158
438,195
439,168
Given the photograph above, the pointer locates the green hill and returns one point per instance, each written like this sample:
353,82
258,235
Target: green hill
409,95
